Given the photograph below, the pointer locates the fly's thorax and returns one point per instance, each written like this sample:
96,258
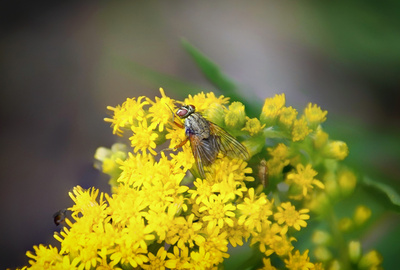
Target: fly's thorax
197,125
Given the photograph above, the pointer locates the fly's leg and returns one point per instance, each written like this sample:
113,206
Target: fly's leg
182,143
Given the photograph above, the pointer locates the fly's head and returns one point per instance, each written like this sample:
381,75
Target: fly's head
185,111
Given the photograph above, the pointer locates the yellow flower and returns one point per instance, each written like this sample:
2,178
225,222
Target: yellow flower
287,214
216,244
44,256
314,115
216,211
303,180
287,116
297,261
127,114
300,129
86,203
282,246
156,261
184,232
144,137
160,110
253,126
254,211
179,259
131,243
271,109
203,101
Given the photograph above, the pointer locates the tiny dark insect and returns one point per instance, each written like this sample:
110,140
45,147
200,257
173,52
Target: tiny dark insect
207,139
59,216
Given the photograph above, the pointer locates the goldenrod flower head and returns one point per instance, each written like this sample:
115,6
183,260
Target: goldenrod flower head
235,117
254,211
271,109
300,129
299,261
203,101
156,261
290,217
127,114
287,116
144,137
43,255
216,211
314,115
253,126
160,110
303,180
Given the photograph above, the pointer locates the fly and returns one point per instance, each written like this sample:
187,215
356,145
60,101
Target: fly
207,139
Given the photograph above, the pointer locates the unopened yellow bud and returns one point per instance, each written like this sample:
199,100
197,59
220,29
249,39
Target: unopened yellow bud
331,185
345,224
354,251
371,260
321,237
347,182
320,139
235,117
361,215
336,150
322,253
335,265
215,113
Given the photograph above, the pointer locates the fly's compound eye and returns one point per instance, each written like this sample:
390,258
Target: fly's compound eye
182,112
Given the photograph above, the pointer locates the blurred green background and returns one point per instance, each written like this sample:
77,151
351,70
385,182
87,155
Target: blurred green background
63,63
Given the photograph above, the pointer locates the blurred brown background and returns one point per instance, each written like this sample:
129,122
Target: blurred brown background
58,73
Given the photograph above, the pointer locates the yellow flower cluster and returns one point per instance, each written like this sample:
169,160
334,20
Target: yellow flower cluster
160,217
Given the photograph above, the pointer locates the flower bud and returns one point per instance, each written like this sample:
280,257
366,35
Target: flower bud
347,182
361,215
370,260
322,253
235,117
354,251
321,237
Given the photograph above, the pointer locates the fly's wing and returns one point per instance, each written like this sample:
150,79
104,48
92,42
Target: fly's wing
204,151
227,144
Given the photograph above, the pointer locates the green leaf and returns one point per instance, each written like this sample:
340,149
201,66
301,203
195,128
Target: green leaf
157,79
220,80
210,70
390,192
